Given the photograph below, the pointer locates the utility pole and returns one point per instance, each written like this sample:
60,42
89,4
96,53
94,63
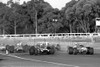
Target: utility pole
70,28
3,30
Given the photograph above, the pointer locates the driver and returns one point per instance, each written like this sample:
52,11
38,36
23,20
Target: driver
76,45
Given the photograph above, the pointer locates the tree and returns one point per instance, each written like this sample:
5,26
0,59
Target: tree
4,23
80,15
50,22
38,15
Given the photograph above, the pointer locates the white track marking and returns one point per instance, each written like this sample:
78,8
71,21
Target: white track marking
61,64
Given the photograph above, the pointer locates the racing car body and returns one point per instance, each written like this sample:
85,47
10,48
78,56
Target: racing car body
80,49
42,48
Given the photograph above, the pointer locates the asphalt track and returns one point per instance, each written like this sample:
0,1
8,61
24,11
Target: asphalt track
57,60
14,61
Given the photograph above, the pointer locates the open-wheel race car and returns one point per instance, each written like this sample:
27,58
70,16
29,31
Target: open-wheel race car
42,48
17,48
80,49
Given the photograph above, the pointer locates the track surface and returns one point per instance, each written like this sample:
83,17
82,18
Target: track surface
57,60
11,61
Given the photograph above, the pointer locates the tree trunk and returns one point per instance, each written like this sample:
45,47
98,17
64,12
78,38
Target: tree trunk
14,27
3,30
70,28
36,23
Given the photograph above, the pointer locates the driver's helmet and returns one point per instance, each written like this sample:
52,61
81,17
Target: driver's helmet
43,45
38,45
81,46
76,45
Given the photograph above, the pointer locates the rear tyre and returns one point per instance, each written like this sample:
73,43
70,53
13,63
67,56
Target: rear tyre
84,52
70,50
90,51
32,50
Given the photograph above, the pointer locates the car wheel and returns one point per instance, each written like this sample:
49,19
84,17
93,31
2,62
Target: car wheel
32,50
36,52
90,51
70,50
75,51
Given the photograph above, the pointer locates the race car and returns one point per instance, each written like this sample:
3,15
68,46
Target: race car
18,48
42,48
80,49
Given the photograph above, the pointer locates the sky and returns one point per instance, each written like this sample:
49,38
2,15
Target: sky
57,3
54,3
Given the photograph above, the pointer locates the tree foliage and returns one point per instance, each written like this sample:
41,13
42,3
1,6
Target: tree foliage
76,17
81,16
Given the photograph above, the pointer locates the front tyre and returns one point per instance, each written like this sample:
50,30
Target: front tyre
91,51
75,52
36,52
